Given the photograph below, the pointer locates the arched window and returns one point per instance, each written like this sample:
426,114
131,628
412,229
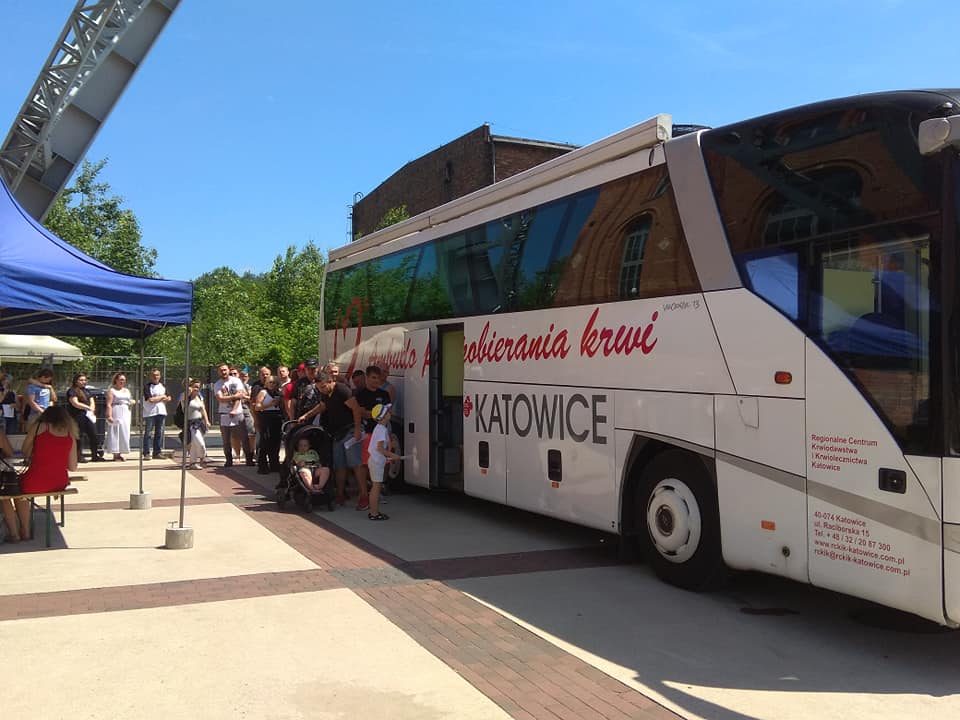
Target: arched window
814,203
634,245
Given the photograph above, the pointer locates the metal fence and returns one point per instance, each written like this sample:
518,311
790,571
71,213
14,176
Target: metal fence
100,371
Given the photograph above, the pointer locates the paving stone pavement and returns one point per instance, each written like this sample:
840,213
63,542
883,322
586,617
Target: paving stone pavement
522,673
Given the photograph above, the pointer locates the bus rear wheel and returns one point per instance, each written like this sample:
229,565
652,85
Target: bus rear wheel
678,521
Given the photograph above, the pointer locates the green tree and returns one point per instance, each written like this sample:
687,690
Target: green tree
390,217
226,323
268,318
290,311
93,219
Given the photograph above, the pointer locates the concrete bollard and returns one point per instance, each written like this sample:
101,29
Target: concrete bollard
179,538
140,501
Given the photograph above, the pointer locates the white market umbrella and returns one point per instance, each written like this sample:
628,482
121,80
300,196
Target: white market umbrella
34,348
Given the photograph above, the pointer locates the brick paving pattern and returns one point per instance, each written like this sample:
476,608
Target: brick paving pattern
528,677
152,595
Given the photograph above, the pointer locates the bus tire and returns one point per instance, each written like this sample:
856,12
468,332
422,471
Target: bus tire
678,522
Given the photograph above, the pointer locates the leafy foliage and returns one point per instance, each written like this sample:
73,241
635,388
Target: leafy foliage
291,304
392,217
89,217
268,318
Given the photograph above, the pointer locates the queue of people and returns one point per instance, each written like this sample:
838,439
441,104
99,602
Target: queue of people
252,417
22,410
354,413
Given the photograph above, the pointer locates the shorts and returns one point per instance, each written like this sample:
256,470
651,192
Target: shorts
376,471
347,457
230,420
248,422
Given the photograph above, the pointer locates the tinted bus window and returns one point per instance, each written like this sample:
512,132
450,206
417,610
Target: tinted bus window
833,219
630,245
429,296
620,241
776,181
390,278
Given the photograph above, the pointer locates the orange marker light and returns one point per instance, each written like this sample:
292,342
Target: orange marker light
782,377
768,525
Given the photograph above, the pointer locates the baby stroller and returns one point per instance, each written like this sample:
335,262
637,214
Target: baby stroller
291,486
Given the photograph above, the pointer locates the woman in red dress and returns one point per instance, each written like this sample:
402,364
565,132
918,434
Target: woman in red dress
51,445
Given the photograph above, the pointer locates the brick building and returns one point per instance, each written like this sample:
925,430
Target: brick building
458,168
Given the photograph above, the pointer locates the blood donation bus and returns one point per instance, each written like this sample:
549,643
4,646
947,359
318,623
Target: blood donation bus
735,347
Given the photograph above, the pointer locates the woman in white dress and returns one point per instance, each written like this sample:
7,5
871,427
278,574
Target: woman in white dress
197,423
119,403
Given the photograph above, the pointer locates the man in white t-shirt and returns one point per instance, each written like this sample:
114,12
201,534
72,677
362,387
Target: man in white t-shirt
155,400
230,393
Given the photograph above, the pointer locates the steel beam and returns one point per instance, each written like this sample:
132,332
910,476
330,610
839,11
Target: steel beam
100,48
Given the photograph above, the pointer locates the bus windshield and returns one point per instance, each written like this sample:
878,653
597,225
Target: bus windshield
838,231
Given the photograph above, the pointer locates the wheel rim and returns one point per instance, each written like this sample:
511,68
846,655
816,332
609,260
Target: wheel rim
673,520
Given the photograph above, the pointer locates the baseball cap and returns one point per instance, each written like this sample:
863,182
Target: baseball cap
380,411
311,362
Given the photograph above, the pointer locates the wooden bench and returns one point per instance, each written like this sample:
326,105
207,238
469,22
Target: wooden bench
32,497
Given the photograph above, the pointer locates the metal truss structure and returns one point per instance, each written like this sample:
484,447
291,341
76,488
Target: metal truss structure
98,51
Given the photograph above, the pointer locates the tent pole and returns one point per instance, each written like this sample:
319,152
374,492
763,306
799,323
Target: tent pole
140,405
140,500
186,427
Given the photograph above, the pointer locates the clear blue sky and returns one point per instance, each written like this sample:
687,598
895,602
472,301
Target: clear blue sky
251,125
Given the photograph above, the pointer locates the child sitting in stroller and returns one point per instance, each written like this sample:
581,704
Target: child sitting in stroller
306,463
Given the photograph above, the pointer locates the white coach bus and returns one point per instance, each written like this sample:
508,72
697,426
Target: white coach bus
736,347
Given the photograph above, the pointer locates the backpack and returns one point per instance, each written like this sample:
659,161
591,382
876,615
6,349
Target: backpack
308,397
178,416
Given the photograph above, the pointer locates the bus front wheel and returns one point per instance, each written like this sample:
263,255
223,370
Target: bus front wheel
678,521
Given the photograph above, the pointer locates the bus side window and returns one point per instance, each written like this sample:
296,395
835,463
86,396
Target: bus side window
389,281
775,276
429,297
870,308
630,245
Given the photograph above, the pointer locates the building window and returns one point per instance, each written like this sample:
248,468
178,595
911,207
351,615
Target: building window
634,245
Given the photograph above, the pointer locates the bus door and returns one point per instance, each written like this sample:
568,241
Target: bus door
449,457
417,410
874,528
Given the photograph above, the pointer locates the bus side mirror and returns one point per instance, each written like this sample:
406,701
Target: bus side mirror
937,133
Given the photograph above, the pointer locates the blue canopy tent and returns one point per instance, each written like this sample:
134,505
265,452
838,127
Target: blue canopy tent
48,287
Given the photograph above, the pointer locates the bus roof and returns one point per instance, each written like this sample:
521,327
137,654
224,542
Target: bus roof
928,103
647,134
657,130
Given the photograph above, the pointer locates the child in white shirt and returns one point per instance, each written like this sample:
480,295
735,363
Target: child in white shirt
380,454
